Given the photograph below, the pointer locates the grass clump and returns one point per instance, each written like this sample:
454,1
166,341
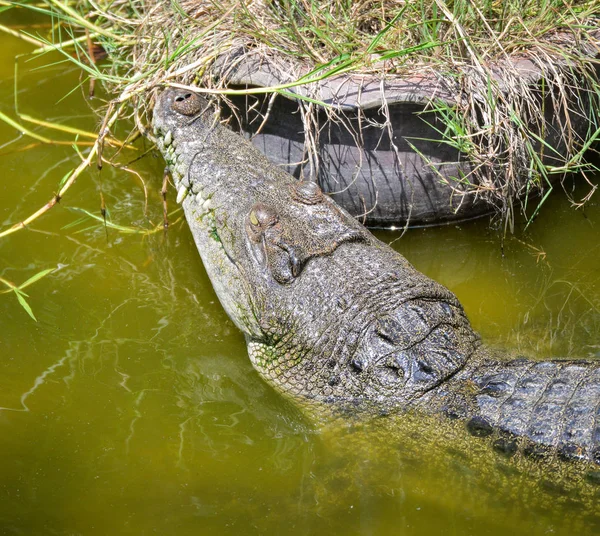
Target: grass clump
518,130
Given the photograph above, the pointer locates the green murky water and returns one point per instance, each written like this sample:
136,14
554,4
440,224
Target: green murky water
131,407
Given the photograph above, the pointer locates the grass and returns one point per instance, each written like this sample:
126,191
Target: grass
19,290
501,124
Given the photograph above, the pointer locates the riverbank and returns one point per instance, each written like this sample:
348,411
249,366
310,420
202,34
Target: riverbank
409,113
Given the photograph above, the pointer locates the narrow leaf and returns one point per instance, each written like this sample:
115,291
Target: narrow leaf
36,277
25,306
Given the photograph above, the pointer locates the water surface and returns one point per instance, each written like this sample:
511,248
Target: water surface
130,406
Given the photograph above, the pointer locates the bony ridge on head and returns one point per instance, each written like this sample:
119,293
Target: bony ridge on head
306,192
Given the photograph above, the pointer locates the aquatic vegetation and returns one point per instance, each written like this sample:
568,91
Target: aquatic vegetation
19,290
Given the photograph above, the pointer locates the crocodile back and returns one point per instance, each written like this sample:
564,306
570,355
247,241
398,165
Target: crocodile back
553,406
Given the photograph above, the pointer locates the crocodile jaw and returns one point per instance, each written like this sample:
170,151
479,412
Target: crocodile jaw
181,141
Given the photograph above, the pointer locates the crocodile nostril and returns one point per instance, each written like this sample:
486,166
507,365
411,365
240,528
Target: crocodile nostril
187,103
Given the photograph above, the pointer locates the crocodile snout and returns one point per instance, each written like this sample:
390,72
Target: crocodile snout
186,102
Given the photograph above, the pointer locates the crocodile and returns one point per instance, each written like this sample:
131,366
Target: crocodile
334,318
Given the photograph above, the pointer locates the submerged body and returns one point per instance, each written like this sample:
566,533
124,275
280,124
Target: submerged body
336,319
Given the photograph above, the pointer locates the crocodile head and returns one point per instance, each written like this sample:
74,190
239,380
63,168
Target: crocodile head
256,231
328,311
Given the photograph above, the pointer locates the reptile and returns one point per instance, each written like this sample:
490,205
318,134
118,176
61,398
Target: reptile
335,318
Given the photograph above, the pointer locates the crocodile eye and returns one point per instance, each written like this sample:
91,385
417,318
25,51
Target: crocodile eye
262,216
187,103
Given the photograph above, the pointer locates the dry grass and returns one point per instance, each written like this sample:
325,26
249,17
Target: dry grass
501,123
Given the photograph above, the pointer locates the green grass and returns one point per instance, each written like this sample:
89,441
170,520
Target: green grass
19,290
498,125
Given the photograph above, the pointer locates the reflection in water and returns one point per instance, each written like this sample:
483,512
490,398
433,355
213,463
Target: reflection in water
131,406
430,464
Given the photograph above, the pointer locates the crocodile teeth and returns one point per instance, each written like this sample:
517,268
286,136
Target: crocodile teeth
199,199
181,193
206,206
168,139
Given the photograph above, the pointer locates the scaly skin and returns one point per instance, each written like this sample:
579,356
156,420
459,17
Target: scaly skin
336,319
